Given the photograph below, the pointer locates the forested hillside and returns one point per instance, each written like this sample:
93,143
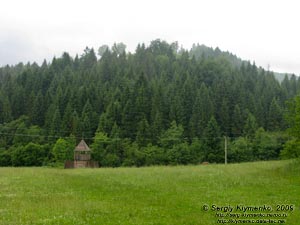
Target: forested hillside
159,105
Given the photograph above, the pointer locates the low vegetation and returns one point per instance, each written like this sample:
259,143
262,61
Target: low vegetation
148,195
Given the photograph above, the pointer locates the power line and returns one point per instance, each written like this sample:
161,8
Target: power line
94,138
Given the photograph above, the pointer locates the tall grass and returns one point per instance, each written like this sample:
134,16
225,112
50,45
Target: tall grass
150,195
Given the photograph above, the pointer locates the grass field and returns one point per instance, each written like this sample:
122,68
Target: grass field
150,195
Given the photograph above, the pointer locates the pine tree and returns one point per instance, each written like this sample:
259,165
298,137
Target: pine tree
75,126
88,120
49,118
143,133
293,117
275,116
99,145
202,112
5,110
142,99
114,149
237,122
196,127
224,117
18,102
212,141
56,124
156,128
128,96
173,136
67,120
88,58
38,111
86,127
250,126
187,97
129,120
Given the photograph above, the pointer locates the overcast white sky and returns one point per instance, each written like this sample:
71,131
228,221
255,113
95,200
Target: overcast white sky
267,32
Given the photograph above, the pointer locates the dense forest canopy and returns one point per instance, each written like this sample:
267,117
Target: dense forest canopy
159,105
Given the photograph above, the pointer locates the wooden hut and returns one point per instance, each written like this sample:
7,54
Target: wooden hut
82,157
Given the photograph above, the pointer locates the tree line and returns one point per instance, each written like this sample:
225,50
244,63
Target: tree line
159,105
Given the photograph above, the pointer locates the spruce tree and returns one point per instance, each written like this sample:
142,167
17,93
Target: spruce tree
56,124
212,141
143,133
250,126
38,111
275,116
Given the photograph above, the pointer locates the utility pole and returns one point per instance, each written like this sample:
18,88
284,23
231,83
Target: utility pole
225,148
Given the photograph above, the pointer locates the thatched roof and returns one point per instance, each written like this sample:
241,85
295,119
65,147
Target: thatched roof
82,146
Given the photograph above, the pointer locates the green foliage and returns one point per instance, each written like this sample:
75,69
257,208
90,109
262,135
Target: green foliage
111,160
291,149
240,150
238,122
202,112
263,146
24,135
153,103
266,145
29,155
293,117
5,158
114,150
250,126
143,133
56,124
5,109
88,58
172,136
212,142
99,145
179,154
102,49
197,151
118,48
63,149
134,156
38,110
154,155
275,116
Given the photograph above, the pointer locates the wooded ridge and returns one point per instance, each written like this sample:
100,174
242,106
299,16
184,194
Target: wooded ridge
158,105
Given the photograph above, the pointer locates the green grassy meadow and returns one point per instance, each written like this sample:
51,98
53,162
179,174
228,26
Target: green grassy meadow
149,195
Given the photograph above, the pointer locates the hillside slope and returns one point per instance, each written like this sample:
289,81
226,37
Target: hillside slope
158,97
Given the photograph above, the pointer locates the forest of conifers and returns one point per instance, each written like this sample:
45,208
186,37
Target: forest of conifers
159,105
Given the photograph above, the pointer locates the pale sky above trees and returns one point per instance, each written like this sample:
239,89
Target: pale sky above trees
266,32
